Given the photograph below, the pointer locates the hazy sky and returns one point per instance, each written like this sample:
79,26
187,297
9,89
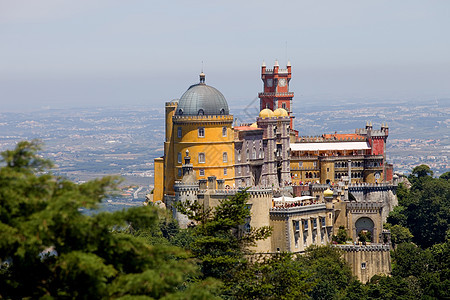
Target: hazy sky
56,53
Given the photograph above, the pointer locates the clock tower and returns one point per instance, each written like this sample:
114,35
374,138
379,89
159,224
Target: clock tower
276,89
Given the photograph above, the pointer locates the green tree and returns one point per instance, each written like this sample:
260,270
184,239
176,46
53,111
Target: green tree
276,277
422,171
409,260
328,269
392,288
425,208
399,234
445,176
220,241
48,248
342,236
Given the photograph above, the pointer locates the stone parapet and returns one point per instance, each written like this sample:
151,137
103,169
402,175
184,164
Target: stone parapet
202,118
357,248
370,187
285,211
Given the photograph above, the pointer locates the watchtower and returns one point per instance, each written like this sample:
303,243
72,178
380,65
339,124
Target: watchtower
276,89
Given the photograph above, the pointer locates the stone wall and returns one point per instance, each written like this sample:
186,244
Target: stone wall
367,260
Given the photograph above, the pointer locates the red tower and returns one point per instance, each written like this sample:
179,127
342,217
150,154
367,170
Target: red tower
276,89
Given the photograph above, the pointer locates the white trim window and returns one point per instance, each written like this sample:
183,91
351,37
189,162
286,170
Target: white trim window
201,172
225,157
224,131
201,132
225,172
201,158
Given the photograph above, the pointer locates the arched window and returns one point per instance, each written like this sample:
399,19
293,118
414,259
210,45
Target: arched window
222,111
201,112
254,153
201,132
201,158
224,131
239,155
260,153
225,157
248,154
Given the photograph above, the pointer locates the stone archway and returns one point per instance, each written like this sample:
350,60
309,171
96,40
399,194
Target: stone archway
365,226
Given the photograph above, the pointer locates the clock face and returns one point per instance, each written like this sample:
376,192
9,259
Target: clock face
281,82
269,82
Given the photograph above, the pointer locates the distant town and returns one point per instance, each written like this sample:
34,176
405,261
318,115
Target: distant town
87,143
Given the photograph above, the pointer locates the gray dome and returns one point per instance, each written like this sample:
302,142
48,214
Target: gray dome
202,99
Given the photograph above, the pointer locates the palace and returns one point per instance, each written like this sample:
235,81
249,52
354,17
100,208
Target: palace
304,187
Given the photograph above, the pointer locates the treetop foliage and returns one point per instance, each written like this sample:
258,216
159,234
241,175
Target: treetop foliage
48,248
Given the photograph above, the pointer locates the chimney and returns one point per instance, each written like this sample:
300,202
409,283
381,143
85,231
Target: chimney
211,182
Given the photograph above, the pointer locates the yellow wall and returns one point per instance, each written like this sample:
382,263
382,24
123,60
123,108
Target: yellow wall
168,150
307,167
326,171
158,191
213,145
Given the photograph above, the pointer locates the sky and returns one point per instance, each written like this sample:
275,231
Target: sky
92,53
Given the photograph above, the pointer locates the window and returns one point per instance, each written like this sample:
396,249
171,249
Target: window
201,132
179,157
305,224
224,131
296,225
314,223
201,172
225,172
201,158
179,132
363,265
179,172
254,153
260,153
239,155
300,164
283,105
248,154
225,157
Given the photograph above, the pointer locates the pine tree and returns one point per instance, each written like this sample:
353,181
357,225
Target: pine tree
49,249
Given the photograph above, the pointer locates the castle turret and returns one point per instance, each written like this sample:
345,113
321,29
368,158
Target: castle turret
276,89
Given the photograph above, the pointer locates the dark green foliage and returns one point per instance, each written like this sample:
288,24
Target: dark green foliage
425,208
48,248
392,288
421,171
276,277
399,234
423,218
364,236
220,242
342,236
329,270
445,176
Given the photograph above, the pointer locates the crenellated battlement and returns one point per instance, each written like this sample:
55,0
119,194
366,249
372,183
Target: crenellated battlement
172,103
358,248
203,118
284,211
331,138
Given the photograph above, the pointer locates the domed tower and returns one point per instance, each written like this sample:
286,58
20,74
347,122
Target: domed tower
201,124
